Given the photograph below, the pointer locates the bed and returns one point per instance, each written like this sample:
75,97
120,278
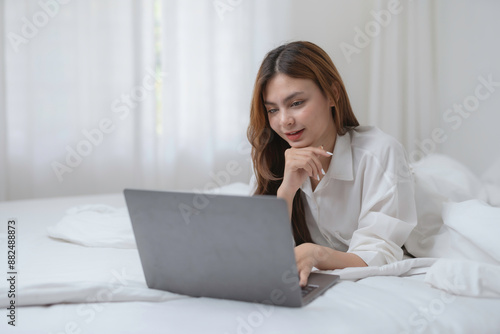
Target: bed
83,275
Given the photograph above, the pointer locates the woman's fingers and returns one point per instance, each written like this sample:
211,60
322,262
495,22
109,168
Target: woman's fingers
303,276
304,162
300,163
304,256
308,159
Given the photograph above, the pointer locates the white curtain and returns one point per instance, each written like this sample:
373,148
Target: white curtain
3,120
100,95
209,54
106,94
385,51
402,73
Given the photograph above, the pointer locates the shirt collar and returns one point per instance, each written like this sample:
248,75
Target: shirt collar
341,164
340,167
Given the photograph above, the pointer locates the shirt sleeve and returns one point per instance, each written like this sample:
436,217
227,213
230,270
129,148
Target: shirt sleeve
388,212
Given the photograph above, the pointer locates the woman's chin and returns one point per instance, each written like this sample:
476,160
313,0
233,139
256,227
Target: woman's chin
298,144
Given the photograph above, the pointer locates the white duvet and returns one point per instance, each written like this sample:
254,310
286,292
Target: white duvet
91,256
91,276
69,273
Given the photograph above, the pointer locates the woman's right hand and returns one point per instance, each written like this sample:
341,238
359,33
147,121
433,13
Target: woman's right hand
300,163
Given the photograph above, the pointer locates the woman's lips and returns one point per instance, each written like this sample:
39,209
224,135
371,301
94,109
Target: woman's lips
294,135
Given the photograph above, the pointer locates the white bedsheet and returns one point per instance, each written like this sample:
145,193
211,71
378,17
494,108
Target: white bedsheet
102,290
373,305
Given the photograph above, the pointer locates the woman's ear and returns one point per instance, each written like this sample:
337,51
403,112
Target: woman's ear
336,94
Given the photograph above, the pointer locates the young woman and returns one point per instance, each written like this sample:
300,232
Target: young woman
348,188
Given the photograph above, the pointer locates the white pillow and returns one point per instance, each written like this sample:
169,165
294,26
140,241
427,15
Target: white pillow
469,232
479,225
492,174
465,278
438,179
491,179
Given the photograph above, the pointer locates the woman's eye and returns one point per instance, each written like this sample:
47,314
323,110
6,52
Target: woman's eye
297,103
272,111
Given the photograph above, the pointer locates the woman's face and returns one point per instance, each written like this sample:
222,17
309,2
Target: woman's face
299,112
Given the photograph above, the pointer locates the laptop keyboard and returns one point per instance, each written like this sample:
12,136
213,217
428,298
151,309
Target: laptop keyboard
308,289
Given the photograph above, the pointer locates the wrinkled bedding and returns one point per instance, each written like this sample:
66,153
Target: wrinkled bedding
79,271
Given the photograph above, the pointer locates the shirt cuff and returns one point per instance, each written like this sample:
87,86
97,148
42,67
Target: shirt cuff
371,258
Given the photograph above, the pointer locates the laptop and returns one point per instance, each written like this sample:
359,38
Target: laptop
220,246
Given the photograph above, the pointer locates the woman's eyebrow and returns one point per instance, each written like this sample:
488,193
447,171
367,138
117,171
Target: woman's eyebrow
286,99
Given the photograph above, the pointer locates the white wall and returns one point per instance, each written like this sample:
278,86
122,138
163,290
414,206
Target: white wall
3,121
467,45
328,24
468,48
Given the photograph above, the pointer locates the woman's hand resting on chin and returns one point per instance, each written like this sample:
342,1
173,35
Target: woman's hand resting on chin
300,163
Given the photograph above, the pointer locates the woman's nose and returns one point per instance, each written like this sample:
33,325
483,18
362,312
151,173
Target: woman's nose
286,119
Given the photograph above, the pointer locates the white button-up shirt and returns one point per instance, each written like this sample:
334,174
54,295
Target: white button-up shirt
365,203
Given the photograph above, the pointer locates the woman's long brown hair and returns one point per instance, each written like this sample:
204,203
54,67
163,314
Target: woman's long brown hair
302,60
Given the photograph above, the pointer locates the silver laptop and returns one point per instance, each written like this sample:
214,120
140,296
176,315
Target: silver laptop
220,246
